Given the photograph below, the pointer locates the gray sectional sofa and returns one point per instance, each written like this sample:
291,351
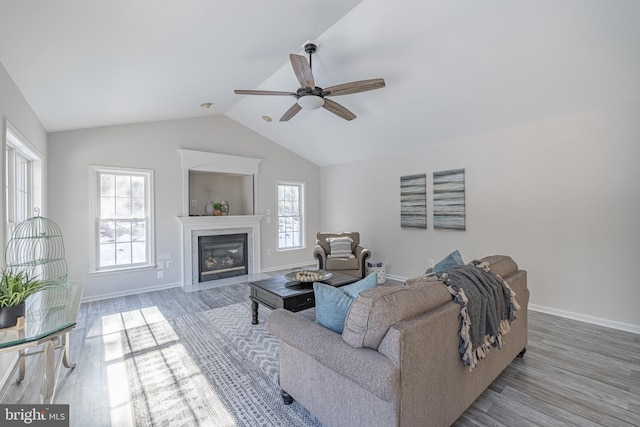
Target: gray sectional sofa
398,367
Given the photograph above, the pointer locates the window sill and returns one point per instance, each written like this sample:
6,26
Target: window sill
122,270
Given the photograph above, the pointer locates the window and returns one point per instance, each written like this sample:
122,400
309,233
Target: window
22,180
123,229
290,215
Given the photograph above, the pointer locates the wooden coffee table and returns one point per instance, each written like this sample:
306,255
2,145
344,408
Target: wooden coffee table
278,292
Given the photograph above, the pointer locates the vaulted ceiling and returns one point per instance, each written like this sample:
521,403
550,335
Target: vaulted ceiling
452,68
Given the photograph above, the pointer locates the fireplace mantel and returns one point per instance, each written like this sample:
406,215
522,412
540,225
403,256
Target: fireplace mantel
194,226
219,221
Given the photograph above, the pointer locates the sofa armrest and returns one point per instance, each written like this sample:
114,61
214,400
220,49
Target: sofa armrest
366,367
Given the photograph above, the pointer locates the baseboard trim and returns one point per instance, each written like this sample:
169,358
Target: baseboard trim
131,292
586,318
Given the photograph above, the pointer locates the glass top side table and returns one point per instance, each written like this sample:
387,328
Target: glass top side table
50,315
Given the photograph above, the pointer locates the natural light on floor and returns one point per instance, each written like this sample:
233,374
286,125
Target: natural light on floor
145,361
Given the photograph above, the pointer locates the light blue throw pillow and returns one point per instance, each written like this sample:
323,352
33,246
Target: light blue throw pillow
451,260
332,304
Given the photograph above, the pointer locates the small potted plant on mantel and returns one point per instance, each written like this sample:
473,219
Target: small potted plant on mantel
15,288
217,209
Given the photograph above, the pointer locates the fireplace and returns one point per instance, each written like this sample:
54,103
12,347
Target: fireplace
194,227
221,256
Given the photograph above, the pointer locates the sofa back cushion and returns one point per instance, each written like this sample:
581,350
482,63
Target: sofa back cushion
375,310
502,265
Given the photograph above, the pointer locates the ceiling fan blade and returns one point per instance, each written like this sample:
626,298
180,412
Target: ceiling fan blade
295,109
303,70
263,92
354,87
338,109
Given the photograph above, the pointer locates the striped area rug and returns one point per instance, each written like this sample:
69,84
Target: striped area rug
208,369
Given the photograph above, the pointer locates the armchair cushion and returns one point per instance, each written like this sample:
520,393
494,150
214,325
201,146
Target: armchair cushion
323,237
340,247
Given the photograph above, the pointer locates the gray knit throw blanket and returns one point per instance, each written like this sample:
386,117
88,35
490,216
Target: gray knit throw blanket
488,305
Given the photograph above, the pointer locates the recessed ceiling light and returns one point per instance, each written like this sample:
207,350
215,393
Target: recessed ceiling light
206,104
266,118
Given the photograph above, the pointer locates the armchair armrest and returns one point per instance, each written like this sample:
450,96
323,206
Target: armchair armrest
363,255
321,256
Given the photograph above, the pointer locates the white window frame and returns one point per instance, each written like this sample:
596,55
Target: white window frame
149,218
19,150
301,215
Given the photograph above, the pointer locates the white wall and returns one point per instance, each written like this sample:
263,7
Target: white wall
154,146
15,109
562,197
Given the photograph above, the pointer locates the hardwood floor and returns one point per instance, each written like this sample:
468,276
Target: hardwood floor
573,373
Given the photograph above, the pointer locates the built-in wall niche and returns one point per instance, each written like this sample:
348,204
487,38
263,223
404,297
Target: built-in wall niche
205,187
217,177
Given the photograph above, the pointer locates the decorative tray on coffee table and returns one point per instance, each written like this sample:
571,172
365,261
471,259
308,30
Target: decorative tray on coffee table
308,276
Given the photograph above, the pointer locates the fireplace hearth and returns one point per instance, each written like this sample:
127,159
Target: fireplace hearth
222,256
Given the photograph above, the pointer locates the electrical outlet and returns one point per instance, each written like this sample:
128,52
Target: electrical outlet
168,264
194,203
160,274
160,265
268,251
432,263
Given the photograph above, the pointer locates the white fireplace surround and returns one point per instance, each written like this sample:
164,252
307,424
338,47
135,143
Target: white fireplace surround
196,226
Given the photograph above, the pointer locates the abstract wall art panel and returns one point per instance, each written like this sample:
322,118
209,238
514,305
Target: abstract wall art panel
448,200
413,201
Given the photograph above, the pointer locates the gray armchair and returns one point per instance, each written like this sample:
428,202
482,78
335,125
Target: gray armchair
354,266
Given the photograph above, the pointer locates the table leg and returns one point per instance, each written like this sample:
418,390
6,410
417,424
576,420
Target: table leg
65,352
48,384
21,366
254,313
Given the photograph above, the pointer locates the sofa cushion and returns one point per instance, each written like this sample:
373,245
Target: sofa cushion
342,264
451,260
340,247
332,303
375,310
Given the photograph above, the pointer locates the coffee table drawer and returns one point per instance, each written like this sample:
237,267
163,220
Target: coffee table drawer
300,302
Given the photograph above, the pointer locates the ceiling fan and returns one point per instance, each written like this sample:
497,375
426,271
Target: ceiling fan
312,97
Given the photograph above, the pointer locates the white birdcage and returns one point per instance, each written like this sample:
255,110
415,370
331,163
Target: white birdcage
37,249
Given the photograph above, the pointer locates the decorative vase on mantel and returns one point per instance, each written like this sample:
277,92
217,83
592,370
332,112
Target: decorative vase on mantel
209,209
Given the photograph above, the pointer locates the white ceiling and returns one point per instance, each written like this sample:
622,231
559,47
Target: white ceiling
452,68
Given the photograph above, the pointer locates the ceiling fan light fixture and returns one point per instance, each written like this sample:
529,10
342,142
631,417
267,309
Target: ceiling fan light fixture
311,102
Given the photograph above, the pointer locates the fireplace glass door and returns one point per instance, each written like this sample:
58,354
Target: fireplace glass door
222,256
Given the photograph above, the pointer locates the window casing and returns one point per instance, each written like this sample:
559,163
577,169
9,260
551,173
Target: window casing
290,215
122,219
23,184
